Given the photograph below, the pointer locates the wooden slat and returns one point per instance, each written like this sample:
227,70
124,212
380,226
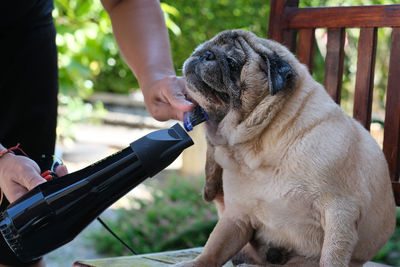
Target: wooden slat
276,16
342,17
396,192
306,47
391,141
365,76
334,63
289,39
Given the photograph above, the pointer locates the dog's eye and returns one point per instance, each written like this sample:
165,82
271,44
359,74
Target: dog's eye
233,64
207,55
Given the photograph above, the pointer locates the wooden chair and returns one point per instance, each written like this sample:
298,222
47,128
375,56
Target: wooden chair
295,28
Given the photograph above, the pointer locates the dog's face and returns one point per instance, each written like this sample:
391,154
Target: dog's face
236,70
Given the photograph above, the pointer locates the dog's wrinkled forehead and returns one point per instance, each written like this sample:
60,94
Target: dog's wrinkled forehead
226,43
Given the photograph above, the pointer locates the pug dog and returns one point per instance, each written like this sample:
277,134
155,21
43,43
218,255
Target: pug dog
295,180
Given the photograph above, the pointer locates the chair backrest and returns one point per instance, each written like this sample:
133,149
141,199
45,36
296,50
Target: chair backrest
295,28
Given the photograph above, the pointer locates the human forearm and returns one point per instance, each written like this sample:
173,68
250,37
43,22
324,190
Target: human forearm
142,37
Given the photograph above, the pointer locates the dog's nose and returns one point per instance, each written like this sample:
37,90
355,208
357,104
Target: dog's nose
208,55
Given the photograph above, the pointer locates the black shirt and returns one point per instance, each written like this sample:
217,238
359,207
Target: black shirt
28,84
16,15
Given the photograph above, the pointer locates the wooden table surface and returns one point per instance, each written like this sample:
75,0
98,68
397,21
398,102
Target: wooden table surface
145,260
159,260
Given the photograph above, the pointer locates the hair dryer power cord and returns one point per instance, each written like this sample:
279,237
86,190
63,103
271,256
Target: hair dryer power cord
116,236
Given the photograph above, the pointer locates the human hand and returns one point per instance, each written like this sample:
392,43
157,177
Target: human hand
167,99
19,174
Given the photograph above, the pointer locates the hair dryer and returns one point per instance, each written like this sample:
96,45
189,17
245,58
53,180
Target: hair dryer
54,213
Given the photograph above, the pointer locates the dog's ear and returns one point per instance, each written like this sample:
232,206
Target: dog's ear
280,74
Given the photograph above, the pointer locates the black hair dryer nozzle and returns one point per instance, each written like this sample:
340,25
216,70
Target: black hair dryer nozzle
54,213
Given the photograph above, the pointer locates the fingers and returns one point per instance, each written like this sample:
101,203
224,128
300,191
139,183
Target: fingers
167,99
166,111
17,194
27,178
21,185
28,173
61,170
162,111
178,96
179,105
18,175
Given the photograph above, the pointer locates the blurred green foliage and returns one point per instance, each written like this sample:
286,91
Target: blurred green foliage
390,253
73,110
88,55
176,218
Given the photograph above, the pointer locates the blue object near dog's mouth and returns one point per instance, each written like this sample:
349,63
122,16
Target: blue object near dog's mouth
194,117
